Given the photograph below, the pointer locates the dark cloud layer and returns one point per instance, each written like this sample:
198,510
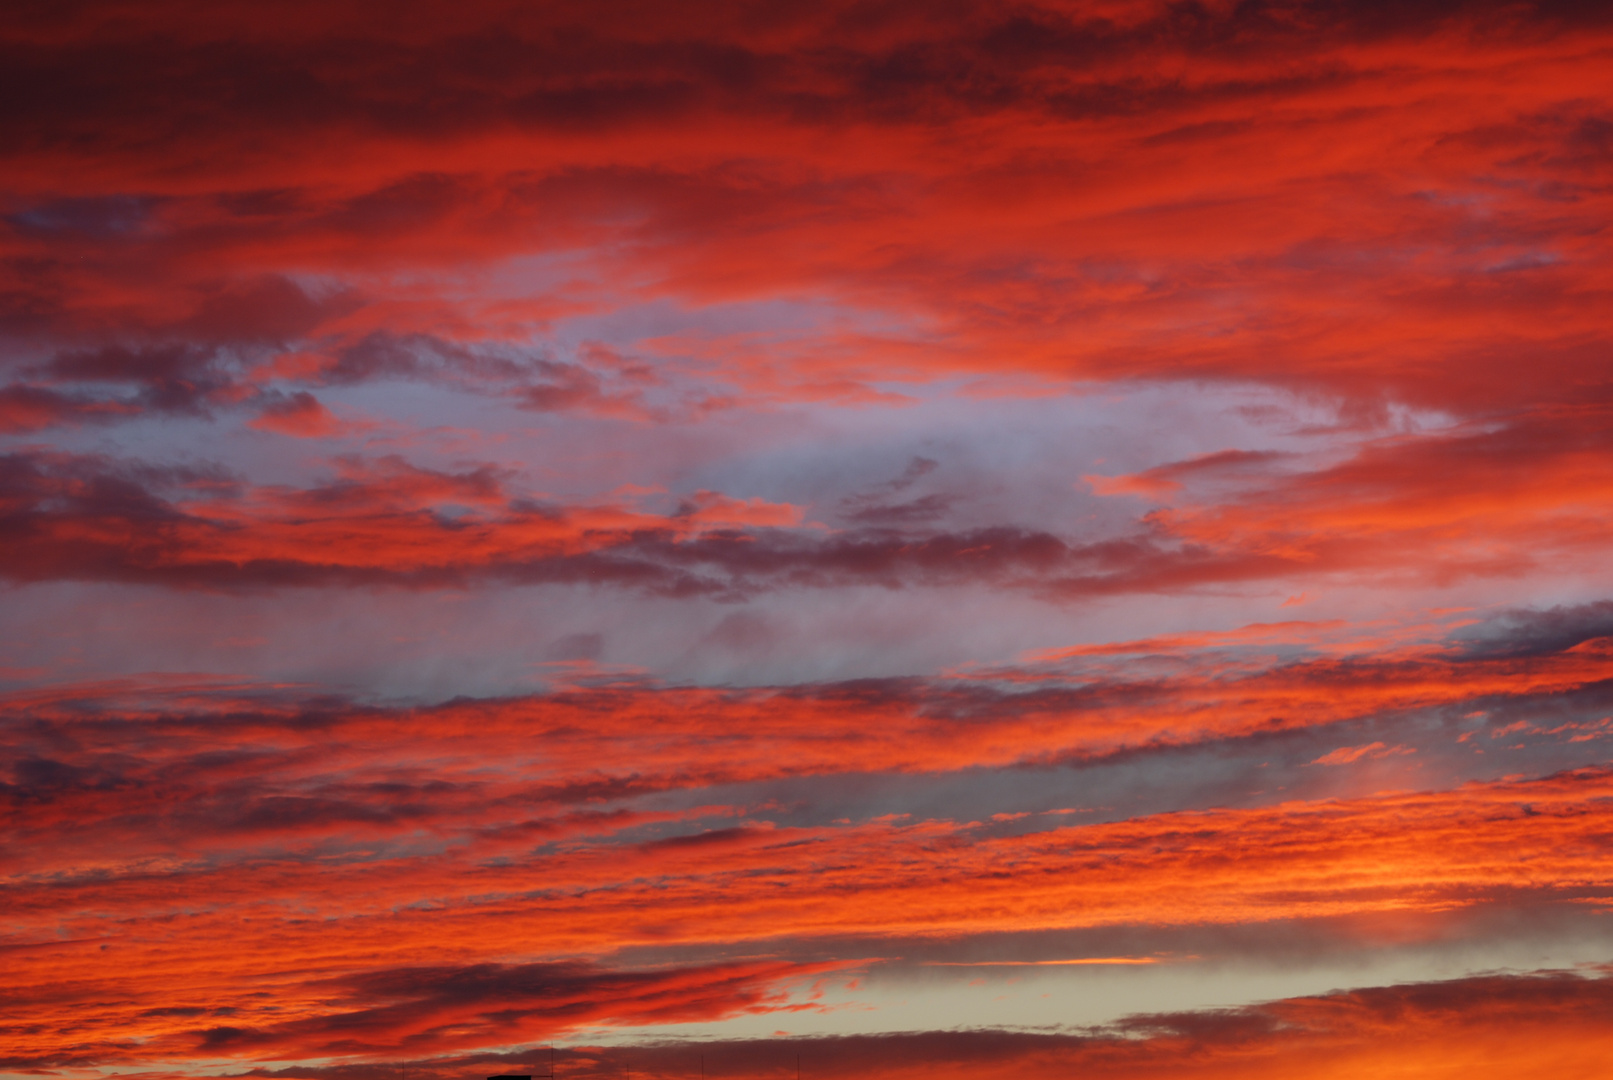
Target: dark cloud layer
587,66
441,1007
166,195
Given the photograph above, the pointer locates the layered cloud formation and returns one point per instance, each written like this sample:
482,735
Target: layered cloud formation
913,538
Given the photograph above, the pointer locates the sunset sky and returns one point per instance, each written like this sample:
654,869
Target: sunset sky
888,538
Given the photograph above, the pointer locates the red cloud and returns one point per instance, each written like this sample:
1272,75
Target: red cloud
214,212
1272,211
449,841
299,415
1434,508
1348,755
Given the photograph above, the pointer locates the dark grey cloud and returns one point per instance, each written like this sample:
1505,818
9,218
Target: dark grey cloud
1527,632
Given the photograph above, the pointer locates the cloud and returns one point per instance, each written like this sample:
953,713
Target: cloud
1484,1026
1482,501
1349,755
641,242
615,738
25,408
1487,1026
419,880
431,1010
87,518
1164,481
1267,188
881,505
1525,632
434,1009
399,827
299,415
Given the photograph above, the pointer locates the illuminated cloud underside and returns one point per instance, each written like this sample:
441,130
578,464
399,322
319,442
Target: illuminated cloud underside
914,539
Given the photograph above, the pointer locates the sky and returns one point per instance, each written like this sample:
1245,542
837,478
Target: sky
870,538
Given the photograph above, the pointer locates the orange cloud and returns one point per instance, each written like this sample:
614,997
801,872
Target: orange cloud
1346,755
450,846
